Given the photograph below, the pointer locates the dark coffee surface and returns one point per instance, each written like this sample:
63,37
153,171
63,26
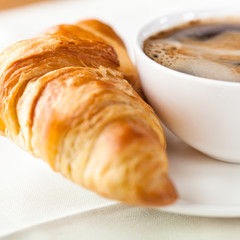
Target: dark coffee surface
210,50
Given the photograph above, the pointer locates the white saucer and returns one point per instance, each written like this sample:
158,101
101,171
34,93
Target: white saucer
206,187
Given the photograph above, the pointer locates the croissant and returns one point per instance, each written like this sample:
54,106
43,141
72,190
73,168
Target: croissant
65,97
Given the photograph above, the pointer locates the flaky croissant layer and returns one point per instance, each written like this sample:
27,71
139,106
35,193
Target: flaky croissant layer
64,99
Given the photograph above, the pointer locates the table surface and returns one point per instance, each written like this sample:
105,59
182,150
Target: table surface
36,203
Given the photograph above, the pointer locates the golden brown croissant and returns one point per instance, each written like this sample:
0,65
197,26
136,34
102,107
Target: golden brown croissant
63,100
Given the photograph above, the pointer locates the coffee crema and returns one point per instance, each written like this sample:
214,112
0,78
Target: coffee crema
209,49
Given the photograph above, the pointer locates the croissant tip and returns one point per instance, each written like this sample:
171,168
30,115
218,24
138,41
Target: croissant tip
162,195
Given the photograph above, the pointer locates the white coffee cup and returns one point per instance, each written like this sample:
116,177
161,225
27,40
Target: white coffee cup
204,113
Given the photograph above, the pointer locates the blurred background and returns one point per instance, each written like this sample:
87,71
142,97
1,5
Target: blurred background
6,4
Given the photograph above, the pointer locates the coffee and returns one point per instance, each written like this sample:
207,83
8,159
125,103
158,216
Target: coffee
206,49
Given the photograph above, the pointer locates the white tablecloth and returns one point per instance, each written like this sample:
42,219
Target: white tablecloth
35,202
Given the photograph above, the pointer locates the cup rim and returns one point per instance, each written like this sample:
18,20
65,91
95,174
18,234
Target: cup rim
139,49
